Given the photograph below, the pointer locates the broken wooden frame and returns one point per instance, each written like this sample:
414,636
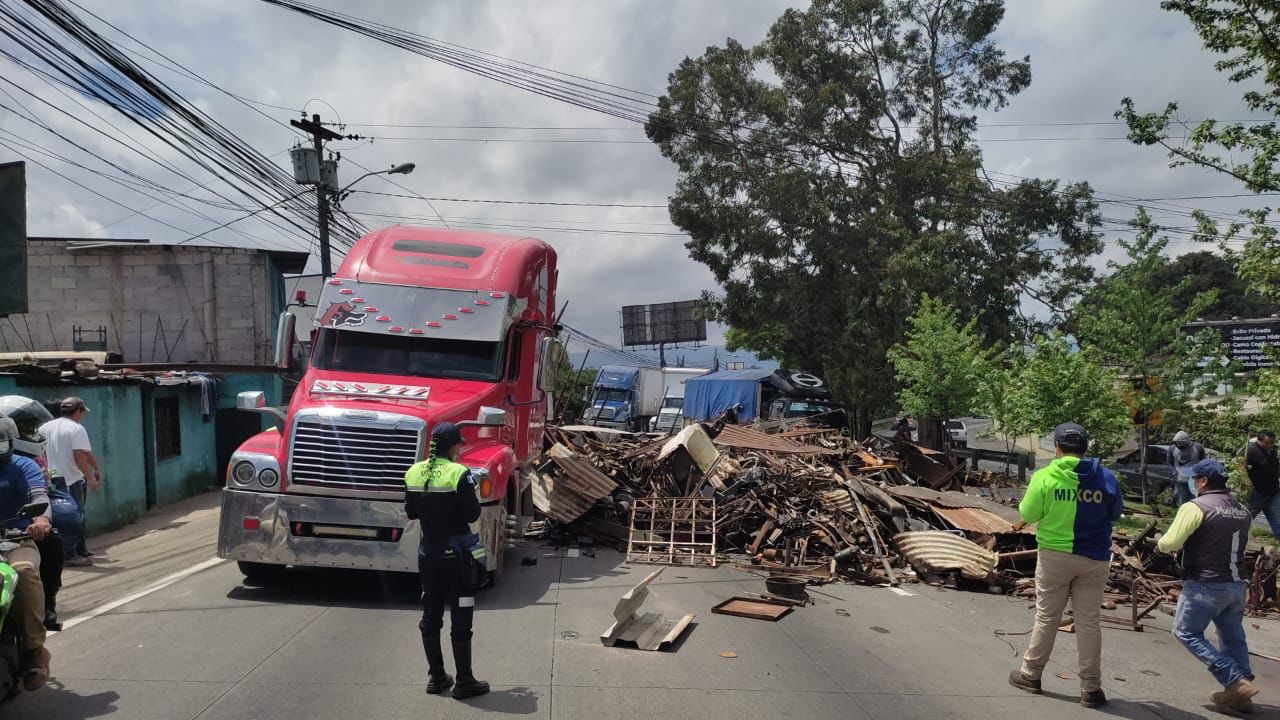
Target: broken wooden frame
673,531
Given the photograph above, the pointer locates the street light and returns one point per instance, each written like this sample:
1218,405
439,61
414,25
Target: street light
325,264
401,169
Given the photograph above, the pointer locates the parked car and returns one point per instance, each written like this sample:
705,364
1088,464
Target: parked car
1160,474
959,433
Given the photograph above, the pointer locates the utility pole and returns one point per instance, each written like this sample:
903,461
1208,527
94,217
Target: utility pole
319,134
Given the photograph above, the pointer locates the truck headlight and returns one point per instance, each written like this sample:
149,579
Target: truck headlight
268,478
243,472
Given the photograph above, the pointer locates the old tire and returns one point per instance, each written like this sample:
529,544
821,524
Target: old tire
261,573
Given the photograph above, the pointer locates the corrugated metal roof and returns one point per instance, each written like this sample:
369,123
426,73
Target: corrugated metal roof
937,551
964,512
933,497
741,436
566,496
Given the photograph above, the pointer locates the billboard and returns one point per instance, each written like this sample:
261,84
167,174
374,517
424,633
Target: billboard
664,323
13,238
1246,340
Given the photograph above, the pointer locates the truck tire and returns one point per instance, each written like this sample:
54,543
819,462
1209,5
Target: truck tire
261,573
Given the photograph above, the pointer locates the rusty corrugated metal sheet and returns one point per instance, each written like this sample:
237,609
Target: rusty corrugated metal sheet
975,520
838,500
937,551
740,436
564,497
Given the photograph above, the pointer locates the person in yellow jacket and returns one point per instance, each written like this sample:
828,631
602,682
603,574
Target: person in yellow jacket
441,495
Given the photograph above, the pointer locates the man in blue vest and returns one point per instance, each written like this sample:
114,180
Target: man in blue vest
1212,531
441,495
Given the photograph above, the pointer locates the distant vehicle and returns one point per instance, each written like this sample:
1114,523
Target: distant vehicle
1161,475
673,380
625,397
959,433
764,395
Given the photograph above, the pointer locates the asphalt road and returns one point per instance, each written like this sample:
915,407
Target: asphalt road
345,645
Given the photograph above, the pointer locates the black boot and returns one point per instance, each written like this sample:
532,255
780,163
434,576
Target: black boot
468,686
51,612
437,679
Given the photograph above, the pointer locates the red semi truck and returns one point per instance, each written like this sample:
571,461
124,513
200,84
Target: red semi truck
418,326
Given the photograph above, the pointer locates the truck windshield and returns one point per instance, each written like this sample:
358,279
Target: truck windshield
612,397
672,402
355,351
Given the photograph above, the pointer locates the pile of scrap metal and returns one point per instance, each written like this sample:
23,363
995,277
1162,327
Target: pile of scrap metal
805,502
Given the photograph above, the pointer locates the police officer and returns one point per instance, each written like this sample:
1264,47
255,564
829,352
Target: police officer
441,495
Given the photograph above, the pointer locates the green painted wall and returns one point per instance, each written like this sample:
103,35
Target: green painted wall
114,424
194,469
231,385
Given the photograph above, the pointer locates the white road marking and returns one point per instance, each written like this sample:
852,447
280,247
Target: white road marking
159,585
903,593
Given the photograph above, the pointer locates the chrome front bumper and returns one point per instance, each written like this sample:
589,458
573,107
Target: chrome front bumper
274,543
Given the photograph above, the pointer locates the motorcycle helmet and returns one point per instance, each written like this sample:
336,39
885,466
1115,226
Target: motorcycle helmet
28,415
8,433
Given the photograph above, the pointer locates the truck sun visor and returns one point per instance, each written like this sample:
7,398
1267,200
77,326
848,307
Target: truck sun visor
428,247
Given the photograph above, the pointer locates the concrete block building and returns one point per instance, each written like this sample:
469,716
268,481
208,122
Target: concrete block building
151,303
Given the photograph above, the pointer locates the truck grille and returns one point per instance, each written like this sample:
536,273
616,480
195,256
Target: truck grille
606,413
331,452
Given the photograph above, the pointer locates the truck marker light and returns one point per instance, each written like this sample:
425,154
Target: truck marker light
346,291
486,485
417,331
450,317
370,309
383,318
419,391
466,310
358,386
321,385
395,534
434,324
335,281
482,302
340,386
402,390
395,328
383,389
251,523
357,300
497,296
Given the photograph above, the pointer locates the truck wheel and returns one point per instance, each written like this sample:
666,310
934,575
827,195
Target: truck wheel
261,573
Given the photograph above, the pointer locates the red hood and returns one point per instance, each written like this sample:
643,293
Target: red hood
432,399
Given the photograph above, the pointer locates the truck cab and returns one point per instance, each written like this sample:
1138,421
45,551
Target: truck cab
417,326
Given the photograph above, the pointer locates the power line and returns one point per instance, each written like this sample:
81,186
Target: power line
513,202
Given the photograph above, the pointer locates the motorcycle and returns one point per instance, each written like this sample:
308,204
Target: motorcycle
10,637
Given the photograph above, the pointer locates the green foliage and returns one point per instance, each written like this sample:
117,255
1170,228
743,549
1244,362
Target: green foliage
1133,323
1245,32
941,365
1056,384
573,387
828,178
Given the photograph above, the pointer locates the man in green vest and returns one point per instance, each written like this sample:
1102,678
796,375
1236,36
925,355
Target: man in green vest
441,495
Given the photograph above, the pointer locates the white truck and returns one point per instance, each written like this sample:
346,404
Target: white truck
668,418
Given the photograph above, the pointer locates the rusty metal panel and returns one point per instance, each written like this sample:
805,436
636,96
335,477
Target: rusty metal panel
740,436
975,520
566,496
933,497
938,551
838,500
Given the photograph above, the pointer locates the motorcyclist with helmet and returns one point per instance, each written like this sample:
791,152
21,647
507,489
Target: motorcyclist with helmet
29,415
21,483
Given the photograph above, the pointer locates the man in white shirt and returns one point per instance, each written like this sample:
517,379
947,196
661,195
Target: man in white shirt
71,462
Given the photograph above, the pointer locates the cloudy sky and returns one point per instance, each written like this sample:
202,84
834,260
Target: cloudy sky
1086,55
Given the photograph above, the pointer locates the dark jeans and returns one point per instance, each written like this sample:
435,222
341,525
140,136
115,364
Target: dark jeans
1268,505
77,493
442,582
1223,605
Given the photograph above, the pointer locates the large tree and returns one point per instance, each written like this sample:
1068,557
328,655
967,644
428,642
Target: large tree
828,177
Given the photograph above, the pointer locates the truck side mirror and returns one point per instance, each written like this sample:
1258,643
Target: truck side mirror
285,339
251,400
552,357
491,417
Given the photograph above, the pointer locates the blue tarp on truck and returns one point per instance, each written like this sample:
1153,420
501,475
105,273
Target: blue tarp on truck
707,396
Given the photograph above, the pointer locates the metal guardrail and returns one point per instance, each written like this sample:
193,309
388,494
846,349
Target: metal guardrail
1022,460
